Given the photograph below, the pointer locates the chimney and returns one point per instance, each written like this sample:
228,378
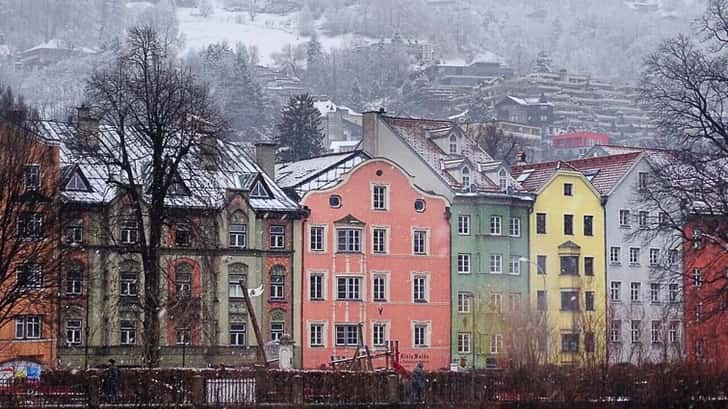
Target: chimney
88,127
265,156
370,132
521,158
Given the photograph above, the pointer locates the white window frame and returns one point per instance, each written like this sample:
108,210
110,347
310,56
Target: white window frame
347,327
674,334
321,241
496,225
322,289
496,344
73,331
426,328
380,197
417,242
382,326
624,218
514,267
464,263
636,331
635,292
655,289
352,237
697,277
240,333
634,256
495,264
277,329
656,331
420,287
464,342
615,291
352,292
238,235
385,240
277,236
515,227
643,218
384,277
464,301
654,256
34,177
321,335
464,225
615,255
673,292
28,327
129,232
496,302
127,332
615,331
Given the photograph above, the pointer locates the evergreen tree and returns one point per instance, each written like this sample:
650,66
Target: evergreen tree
299,135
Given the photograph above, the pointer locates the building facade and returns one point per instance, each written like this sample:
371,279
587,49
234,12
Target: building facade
377,268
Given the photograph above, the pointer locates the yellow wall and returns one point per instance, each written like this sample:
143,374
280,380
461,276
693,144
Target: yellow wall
584,201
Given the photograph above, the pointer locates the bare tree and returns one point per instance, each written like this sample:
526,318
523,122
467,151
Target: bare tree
160,132
498,144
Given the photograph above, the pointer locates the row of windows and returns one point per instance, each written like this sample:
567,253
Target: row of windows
638,327
569,265
568,224
495,264
643,218
570,300
496,225
349,240
635,292
465,302
635,256
351,334
464,341
350,288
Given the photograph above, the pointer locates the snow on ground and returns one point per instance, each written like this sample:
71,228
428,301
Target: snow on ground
268,32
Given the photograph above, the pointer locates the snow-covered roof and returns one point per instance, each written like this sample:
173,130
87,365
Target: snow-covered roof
526,101
327,106
291,174
4,50
58,44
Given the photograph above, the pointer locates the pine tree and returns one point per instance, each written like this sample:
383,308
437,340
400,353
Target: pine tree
299,135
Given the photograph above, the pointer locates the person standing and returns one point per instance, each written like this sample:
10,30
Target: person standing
418,382
111,381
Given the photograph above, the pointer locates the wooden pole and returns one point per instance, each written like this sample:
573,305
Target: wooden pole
254,322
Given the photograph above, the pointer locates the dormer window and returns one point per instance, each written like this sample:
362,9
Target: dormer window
465,174
76,183
503,179
259,190
453,144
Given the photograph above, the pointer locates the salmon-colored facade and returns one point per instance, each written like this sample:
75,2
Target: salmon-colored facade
376,262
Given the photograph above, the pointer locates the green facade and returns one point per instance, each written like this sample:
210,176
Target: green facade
484,319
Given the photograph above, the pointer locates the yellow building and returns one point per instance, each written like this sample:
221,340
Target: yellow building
567,281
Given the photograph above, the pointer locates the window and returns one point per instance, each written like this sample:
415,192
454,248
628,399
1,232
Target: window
464,301
589,341
453,144
463,263
379,197
515,266
183,280
569,265
589,300
277,328
347,335
236,274
277,283
419,242
316,335
74,232
420,205
463,342
672,257
335,201
379,288
569,301
624,218
615,331
32,177
697,278
568,189
30,225
76,183
569,224
503,180
182,336
615,291
635,290
182,235
654,292
420,335
128,280
514,301
317,238
541,223
636,331
238,235
496,263
642,180
28,327
277,237
74,280
656,332
348,288
541,264
496,302
316,287
569,342
496,344
419,288
515,230
589,266
495,225
237,333
127,334
259,190
615,255
348,240
73,332
464,224
673,335
642,217
379,331
465,175
698,348
588,225
654,257
698,312
29,276
379,241
129,231
634,256
541,300
663,219
673,290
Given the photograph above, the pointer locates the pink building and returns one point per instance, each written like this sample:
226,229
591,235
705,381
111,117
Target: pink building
376,266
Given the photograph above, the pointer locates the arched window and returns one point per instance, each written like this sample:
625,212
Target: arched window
74,278
453,144
465,174
503,179
277,283
183,279
237,272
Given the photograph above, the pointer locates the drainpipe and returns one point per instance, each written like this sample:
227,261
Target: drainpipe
605,334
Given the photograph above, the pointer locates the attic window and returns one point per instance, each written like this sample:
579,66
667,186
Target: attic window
465,175
453,144
259,190
76,183
177,187
589,174
523,176
503,179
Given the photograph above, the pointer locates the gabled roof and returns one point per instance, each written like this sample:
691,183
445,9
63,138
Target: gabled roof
524,101
538,174
236,171
293,174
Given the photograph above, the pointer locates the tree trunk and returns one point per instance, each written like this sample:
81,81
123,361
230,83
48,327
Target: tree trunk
151,291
